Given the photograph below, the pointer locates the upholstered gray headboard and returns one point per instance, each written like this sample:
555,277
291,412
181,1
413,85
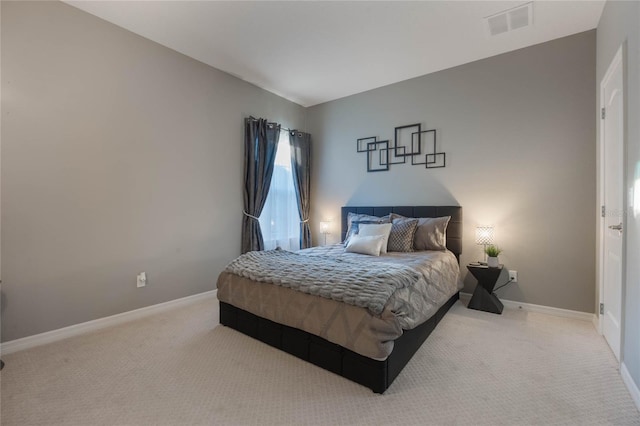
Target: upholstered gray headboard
454,229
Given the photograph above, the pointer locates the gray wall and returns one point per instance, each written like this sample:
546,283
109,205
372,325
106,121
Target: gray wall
619,25
519,133
118,156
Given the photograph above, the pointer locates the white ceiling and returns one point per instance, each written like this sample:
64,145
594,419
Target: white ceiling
312,52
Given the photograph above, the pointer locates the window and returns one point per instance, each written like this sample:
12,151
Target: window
280,220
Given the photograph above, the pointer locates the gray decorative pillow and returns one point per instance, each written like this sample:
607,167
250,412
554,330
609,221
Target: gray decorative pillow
355,228
362,218
431,233
402,233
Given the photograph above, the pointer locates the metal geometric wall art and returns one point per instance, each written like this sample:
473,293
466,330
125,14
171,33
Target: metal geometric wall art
409,141
432,158
377,158
404,138
362,143
392,158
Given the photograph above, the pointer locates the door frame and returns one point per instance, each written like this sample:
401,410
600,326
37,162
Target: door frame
618,58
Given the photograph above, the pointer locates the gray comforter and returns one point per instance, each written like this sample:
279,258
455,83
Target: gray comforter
438,279
353,327
367,285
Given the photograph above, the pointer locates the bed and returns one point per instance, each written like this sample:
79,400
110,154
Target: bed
368,349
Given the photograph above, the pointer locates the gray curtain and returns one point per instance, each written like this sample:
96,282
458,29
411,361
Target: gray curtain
300,143
260,144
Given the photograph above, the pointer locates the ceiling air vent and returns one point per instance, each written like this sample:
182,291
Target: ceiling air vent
510,19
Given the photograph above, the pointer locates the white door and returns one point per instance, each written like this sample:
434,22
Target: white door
612,133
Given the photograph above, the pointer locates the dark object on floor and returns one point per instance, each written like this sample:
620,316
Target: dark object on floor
1,364
483,298
376,375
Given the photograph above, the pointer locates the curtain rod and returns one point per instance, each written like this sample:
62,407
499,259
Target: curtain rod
281,128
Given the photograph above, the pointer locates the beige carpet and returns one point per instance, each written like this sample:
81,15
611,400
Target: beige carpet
182,367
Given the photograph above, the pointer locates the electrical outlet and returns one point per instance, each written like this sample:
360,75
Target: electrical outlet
513,276
142,279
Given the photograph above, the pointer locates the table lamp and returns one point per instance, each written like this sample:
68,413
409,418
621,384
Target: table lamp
484,236
324,229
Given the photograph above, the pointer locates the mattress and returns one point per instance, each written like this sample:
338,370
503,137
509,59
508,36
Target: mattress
350,326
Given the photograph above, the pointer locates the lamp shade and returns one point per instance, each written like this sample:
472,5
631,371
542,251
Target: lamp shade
324,227
484,235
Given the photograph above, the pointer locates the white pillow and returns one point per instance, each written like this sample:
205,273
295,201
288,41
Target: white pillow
370,245
384,229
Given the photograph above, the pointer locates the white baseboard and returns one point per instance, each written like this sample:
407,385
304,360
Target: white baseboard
596,323
530,307
631,385
100,323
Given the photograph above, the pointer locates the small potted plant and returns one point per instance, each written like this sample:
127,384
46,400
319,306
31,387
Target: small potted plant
492,253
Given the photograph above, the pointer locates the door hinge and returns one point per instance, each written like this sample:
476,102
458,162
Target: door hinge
602,210
602,309
603,113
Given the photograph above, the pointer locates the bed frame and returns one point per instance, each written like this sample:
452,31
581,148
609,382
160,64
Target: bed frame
376,375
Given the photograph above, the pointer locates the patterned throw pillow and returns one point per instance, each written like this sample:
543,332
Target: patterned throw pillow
431,233
402,233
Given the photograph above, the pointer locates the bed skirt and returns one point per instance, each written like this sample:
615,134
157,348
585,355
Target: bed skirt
376,375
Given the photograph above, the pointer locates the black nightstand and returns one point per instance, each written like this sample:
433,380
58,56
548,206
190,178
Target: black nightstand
483,298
